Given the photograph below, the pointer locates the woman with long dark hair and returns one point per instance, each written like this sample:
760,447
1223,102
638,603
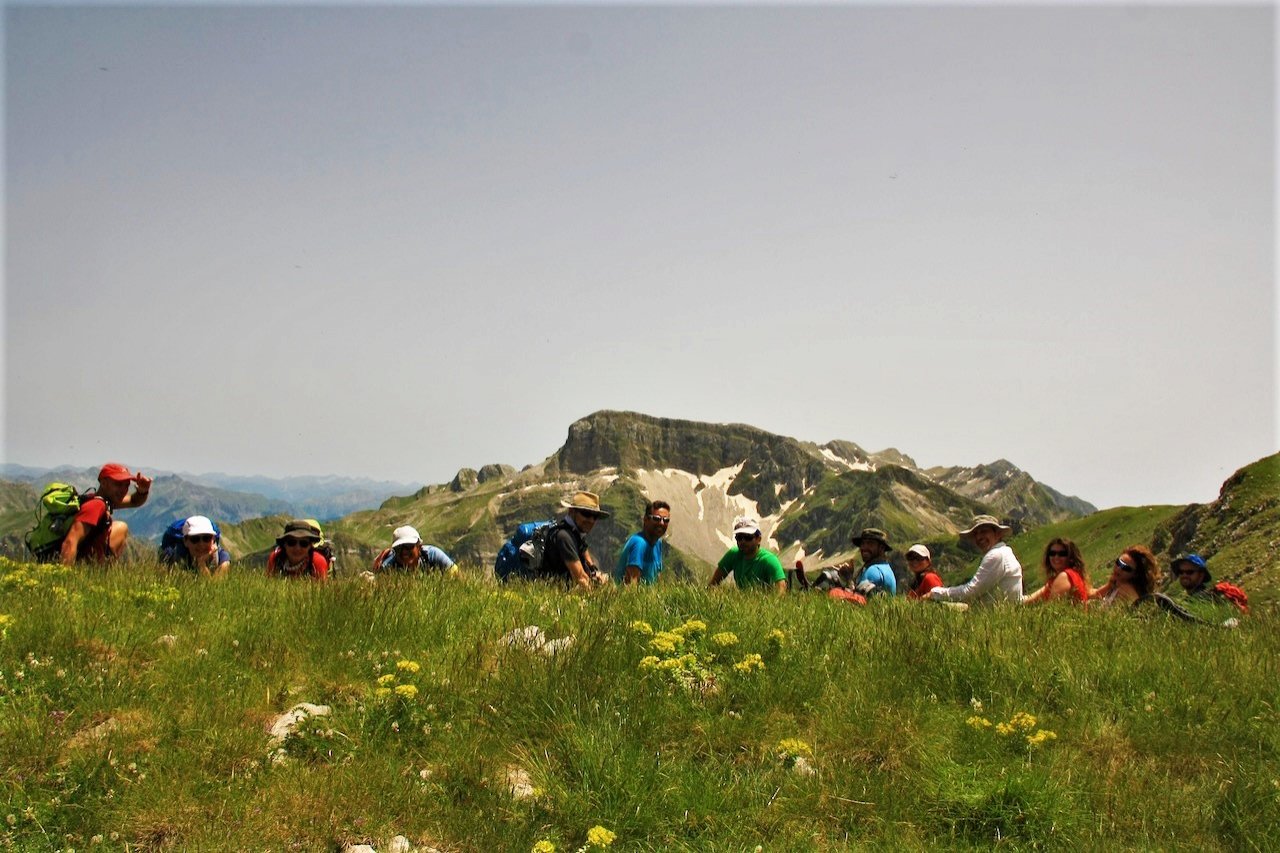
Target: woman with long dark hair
1135,576
1064,574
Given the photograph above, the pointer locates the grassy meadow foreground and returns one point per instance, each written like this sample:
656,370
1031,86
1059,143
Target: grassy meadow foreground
135,709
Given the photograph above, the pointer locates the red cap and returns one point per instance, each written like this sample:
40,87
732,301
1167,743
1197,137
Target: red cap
114,471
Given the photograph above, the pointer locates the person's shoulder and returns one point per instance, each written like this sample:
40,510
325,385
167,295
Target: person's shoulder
319,560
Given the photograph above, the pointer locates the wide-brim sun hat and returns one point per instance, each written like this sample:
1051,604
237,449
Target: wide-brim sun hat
299,529
405,536
985,521
586,502
875,534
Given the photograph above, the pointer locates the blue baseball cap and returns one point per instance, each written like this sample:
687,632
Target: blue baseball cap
1194,559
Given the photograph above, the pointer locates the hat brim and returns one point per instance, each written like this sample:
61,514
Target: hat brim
858,540
405,541
968,534
589,510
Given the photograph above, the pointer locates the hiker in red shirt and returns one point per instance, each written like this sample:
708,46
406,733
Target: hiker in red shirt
920,562
295,554
1064,574
93,534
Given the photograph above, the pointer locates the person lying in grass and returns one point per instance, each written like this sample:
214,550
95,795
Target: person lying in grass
923,577
1064,574
1135,575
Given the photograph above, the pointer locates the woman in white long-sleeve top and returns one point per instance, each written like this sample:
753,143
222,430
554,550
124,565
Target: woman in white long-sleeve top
999,575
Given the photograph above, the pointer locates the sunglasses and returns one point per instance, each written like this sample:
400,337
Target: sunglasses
658,519
404,549
295,543
1125,567
1057,553
914,558
745,537
201,537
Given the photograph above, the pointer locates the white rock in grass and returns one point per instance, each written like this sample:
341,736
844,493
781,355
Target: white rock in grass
802,767
529,637
288,722
168,640
520,783
553,647
399,844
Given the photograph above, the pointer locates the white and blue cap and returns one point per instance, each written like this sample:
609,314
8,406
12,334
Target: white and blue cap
198,525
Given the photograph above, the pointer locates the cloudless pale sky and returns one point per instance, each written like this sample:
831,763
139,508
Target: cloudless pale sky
396,241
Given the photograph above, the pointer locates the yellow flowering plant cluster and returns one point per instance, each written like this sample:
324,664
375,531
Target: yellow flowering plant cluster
5,621
692,657
598,838
397,707
19,576
1021,723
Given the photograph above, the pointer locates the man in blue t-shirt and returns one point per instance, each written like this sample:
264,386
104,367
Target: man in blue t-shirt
876,575
641,558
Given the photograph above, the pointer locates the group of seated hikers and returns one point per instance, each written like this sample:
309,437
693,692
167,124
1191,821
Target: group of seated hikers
558,550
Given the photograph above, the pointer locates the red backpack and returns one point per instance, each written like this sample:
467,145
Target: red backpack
1232,593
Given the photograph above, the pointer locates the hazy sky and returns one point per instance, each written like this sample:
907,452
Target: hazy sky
396,241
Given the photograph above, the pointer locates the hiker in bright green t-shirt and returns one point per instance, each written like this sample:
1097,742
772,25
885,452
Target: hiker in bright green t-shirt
750,564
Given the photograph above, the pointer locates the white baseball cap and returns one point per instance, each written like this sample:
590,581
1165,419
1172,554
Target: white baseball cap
198,525
405,536
745,524
919,551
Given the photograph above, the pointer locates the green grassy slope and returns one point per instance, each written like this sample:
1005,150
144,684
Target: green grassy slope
920,728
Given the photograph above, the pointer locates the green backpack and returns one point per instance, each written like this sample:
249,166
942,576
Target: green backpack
57,508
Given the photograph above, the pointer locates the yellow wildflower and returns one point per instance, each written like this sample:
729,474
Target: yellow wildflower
1040,738
408,691
598,836
543,846
749,663
725,639
1005,728
979,722
793,747
649,662
384,680
382,692
407,666
642,627
1022,720
691,628
776,637
666,642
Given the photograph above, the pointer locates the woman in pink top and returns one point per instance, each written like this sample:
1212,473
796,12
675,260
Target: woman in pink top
1064,574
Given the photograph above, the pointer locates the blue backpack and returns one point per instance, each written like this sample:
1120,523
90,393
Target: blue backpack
172,548
520,558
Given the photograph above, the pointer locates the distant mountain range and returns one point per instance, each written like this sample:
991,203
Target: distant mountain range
224,498
807,496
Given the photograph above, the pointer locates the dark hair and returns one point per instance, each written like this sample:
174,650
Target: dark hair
1147,577
1074,560
653,505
